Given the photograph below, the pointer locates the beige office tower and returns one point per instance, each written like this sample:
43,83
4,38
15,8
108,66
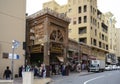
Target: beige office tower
12,27
88,25
109,19
118,43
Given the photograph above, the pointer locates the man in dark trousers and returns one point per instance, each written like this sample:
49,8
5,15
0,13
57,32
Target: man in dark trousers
7,73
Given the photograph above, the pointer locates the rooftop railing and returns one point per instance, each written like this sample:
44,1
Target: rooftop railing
51,12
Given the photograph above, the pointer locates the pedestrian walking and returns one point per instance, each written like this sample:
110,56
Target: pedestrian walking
7,73
43,70
63,70
20,71
23,70
78,67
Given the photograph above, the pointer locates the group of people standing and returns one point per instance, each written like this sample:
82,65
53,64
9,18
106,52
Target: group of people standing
39,71
63,69
55,69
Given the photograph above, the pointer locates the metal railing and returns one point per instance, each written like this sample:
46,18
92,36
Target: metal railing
51,12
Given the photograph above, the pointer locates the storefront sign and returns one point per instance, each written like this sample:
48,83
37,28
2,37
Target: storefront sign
56,48
36,49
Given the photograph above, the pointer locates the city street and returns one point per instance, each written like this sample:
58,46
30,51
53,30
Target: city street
59,42
107,77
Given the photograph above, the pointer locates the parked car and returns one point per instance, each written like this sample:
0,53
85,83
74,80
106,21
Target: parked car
114,67
108,68
118,67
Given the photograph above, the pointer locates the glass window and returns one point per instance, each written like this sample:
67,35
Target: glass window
79,20
95,32
82,30
85,19
79,9
100,44
103,37
91,9
91,28
83,40
106,47
95,42
91,19
85,8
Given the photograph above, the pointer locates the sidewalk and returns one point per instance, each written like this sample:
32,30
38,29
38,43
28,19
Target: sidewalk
36,80
52,78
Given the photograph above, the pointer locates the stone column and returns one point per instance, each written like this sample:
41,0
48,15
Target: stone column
46,46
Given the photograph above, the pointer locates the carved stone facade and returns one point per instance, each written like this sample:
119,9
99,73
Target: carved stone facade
47,37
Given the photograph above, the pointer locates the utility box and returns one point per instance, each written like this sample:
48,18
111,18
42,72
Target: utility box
28,77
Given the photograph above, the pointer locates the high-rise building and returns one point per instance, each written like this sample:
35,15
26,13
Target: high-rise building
118,44
87,25
112,39
110,21
12,27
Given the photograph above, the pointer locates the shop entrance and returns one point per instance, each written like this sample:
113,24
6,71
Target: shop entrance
56,58
56,63
36,58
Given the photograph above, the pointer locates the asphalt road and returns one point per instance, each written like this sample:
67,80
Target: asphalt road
107,77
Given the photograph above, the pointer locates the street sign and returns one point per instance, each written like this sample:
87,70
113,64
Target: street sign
15,44
15,56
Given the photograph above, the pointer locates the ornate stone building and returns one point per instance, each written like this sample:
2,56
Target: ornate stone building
47,37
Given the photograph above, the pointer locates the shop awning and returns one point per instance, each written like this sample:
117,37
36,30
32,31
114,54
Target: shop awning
61,59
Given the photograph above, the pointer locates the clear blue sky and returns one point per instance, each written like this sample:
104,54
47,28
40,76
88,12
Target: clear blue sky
103,5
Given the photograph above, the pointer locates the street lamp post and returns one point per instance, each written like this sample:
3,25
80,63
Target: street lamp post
15,44
12,62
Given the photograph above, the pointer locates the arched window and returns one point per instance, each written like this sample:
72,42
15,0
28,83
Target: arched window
56,35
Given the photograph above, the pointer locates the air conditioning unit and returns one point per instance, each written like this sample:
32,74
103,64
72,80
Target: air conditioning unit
32,31
32,38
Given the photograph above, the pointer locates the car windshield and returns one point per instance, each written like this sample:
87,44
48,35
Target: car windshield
93,65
